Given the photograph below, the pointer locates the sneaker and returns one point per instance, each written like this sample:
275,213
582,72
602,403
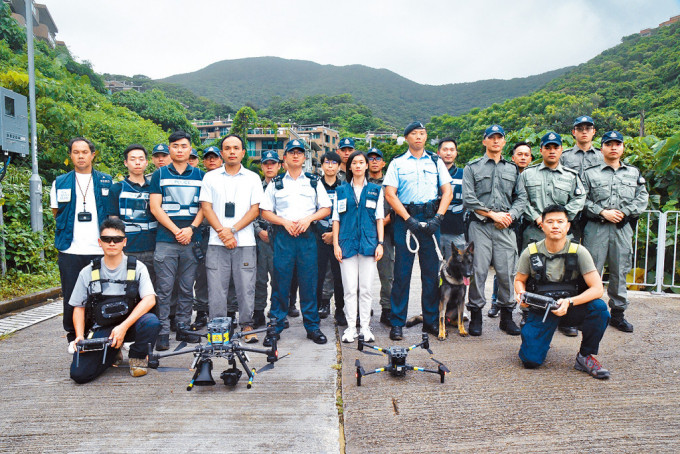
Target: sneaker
591,366
494,310
249,338
138,366
293,311
368,335
349,335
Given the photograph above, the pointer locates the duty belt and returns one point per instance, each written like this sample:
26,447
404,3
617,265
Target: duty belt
421,208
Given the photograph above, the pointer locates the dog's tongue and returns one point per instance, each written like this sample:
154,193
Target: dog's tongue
466,280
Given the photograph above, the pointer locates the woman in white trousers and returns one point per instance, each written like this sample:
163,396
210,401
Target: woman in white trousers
358,235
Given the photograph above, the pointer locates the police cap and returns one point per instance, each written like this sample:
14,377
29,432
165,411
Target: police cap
612,135
211,150
347,142
551,137
412,127
269,155
494,129
161,148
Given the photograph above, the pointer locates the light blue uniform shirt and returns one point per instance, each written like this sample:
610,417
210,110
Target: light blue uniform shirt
416,178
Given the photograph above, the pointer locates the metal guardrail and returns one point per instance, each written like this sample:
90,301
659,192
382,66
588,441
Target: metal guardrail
656,243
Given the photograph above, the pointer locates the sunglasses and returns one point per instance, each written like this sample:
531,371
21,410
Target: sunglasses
109,239
374,158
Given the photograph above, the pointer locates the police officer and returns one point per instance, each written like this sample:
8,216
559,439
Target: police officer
115,282
174,203
522,157
79,202
580,157
330,163
129,201
565,271
386,263
291,203
271,165
160,156
412,185
550,183
491,190
583,154
193,158
617,195
345,148
453,227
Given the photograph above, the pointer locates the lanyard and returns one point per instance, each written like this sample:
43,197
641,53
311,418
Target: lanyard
84,194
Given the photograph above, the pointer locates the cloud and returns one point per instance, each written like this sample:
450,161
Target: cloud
431,41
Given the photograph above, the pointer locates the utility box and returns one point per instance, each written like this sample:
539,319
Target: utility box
13,122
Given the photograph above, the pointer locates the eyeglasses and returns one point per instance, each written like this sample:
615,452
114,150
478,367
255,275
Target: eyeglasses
374,158
330,162
295,152
583,128
109,239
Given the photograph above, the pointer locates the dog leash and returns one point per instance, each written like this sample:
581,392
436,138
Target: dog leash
410,236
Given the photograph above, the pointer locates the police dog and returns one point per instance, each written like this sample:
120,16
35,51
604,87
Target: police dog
454,279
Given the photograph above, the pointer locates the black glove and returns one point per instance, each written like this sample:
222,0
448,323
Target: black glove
433,224
413,225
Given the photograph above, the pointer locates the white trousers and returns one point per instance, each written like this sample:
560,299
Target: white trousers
358,272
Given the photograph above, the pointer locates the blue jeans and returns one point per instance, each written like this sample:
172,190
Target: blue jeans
592,317
295,255
403,266
143,332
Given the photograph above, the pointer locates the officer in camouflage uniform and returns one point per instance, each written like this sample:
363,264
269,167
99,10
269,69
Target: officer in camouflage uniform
550,183
617,195
491,190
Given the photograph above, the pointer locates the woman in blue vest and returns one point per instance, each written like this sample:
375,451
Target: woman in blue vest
358,232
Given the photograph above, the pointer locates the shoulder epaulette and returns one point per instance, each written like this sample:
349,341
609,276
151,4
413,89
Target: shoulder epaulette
278,181
313,179
475,160
569,169
400,155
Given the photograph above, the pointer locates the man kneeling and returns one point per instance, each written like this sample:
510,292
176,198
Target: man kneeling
564,271
112,299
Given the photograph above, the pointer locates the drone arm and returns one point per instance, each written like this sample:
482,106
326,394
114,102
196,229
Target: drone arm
244,363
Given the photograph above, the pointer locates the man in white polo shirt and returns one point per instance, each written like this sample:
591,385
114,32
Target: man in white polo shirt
230,199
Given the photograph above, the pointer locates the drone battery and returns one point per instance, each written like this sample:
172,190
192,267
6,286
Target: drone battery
219,330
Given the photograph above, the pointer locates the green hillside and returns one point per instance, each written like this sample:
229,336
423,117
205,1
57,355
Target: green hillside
395,99
640,74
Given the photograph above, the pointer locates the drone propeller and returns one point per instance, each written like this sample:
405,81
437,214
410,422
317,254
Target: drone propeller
371,352
180,346
270,365
444,368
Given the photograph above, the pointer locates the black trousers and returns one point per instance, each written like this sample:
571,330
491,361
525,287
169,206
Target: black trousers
326,256
70,266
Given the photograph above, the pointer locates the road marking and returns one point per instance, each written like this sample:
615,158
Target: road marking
30,317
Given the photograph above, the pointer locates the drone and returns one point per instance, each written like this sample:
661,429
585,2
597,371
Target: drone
397,366
222,342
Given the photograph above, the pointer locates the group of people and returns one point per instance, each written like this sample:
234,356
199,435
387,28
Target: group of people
137,257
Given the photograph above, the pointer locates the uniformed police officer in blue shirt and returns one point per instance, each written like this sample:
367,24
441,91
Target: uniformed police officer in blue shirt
412,186
129,201
291,203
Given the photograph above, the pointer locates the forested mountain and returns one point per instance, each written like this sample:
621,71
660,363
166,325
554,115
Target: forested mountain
640,74
391,97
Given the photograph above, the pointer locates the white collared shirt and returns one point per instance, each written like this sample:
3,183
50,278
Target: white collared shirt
297,199
244,189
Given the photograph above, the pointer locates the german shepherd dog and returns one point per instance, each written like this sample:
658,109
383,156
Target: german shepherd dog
454,279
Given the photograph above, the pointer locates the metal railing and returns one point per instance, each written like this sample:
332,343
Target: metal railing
656,245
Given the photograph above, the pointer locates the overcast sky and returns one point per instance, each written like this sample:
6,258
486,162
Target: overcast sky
428,41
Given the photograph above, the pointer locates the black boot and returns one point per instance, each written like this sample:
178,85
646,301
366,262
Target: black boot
475,326
340,318
324,309
619,322
507,324
258,318
493,310
201,321
385,316
293,311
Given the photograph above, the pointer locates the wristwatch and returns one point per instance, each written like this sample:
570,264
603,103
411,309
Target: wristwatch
233,230
193,228
381,242
571,302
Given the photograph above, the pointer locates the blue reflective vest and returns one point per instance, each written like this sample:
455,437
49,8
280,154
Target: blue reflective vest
180,194
66,212
453,218
358,232
134,211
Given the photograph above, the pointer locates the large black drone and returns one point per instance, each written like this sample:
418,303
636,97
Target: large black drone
397,366
222,343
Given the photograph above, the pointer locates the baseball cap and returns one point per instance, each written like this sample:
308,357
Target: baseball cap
494,129
374,151
161,148
612,135
291,145
211,150
551,137
347,142
270,155
584,119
